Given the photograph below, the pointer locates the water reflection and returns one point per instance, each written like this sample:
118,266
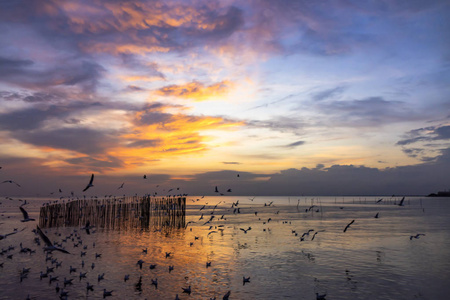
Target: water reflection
374,259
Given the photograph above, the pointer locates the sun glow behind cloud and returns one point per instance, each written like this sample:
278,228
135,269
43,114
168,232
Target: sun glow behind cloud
183,86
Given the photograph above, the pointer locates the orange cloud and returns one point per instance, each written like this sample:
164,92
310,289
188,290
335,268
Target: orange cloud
169,134
197,91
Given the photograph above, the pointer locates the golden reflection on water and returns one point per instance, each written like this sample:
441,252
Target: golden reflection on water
373,259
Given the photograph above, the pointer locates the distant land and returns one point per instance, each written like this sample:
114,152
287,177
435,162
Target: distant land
440,194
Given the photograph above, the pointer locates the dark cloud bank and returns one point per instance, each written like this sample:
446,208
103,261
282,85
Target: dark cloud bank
336,180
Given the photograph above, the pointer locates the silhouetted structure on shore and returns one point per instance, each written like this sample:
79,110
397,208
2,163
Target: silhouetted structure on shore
440,194
125,213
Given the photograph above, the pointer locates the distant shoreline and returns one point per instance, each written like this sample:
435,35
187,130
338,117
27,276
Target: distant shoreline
440,194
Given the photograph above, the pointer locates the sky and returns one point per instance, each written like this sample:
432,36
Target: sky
296,97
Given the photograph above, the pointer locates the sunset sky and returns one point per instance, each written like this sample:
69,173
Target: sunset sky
297,97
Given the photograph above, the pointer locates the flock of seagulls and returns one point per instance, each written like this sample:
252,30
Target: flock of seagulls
212,228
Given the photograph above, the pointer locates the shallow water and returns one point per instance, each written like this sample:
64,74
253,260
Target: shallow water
374,259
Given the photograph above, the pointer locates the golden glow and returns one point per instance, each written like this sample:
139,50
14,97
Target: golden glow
197,91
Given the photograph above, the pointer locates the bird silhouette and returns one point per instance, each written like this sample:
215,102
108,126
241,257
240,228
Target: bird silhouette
50,247
90,183
10,181
416,236
3,236
227,295
26,218
348,225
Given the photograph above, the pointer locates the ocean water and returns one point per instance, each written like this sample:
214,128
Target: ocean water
374,259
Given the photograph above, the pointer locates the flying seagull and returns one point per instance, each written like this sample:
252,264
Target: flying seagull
87,227
50,247
90,183
348,225
121,186
3,236
10,181
416,236
26,218
401,202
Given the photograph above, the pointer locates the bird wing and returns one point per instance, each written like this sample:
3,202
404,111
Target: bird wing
24,212
44,237
348,225
92,179
61,250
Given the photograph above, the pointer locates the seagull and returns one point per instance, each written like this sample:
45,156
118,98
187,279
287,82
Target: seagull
416,236
245,230
227,295
187,290
216,190
140,262
145,176
106,293
379,200
155,282
320,297
50,247
121,186
314,235
376,216
348,225
90,183
245,280
26,218
401,202
89,287
87,227
10,181
3,236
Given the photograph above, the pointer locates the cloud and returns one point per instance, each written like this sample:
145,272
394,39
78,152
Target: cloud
82,140
30,97
144,143
35,117
25,73
367,112
155,115
100,165
295,144
133,88
416,142
11,66
431,133
231,163
280,123
196,90
328,93
215,25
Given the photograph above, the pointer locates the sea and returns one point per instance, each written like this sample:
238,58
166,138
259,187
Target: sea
285,247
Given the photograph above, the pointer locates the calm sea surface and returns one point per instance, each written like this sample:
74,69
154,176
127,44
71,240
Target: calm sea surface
374,259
